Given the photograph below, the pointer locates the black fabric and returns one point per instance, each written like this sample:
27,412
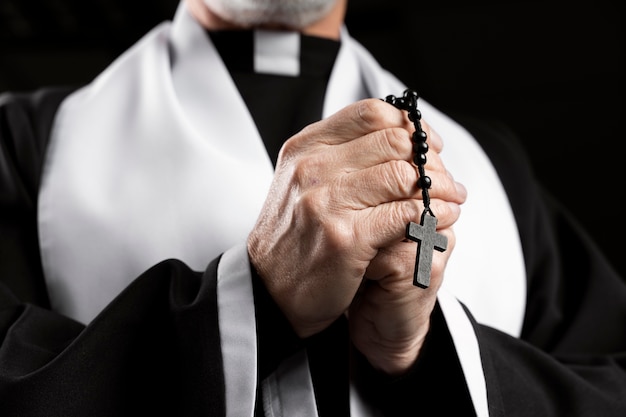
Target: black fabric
156,348
276,340
329,359
153,351
551,238
571,359
25,121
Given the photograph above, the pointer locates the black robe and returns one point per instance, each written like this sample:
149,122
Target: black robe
156,347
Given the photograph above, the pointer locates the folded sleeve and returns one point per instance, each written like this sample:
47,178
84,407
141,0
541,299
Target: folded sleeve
155,349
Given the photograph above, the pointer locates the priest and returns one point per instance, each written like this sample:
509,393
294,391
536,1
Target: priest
215,226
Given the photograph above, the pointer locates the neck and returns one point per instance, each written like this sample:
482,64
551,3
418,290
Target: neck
327,27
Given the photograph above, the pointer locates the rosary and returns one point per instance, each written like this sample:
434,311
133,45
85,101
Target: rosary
424,233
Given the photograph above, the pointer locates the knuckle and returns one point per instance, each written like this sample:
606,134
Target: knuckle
403,212
316,212
446,214
398,140
313,215
300,174
369,113
401,175
290,148
309,204
445,188
300,142
308,170
441,210
340,238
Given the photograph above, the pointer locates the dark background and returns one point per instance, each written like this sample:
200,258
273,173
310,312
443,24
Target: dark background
553,71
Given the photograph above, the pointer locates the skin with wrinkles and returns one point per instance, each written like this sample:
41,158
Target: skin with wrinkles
330,238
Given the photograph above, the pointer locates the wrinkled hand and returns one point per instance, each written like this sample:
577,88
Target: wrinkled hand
343,192
390,317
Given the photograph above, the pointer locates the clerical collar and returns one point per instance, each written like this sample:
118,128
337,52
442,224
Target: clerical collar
276,52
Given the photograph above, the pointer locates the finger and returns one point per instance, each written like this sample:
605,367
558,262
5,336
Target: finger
447,213
374,148
440,259
351,122
388,144
444,187
383,225
397,260
394,265
432,137
393,180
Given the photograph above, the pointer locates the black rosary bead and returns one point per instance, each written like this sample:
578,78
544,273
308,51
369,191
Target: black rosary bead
402,104
419,136
420,147
391,99
419,159
408,102
415,116
411,97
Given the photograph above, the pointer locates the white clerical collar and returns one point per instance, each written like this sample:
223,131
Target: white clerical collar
276,52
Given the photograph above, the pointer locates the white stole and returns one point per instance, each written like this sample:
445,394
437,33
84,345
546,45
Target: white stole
149,163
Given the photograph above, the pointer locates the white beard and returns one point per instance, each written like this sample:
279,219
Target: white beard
291,13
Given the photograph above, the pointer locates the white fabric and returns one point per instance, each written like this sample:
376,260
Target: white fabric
468,350
288,391
138,171
359,406
159,158
239,353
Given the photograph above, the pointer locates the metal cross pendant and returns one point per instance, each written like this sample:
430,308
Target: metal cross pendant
428,240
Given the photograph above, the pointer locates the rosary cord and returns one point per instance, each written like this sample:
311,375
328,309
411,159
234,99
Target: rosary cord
408,102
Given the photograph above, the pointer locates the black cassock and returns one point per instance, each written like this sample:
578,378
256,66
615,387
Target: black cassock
156,347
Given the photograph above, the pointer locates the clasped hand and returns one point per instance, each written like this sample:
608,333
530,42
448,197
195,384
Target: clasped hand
330,237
